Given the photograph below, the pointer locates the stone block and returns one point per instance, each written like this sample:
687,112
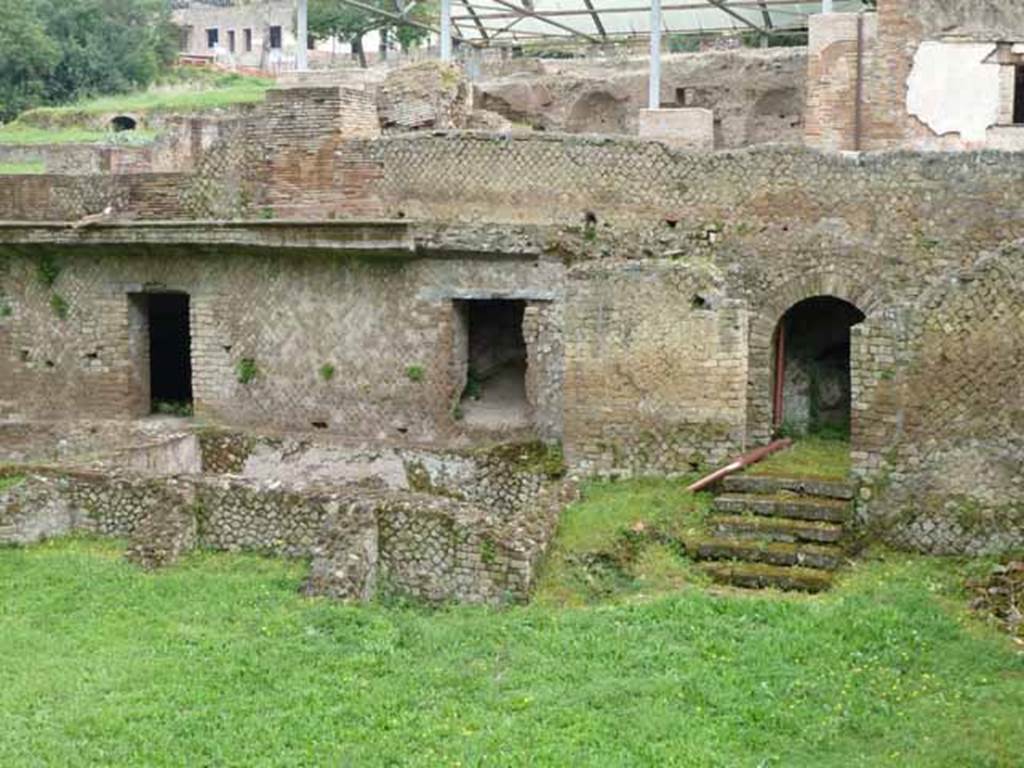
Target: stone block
690,128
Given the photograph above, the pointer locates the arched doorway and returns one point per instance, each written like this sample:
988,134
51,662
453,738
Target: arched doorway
812,390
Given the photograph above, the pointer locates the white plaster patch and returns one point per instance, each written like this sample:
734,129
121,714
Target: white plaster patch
952,90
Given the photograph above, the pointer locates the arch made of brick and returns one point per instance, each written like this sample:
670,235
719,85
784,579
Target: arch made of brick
768,310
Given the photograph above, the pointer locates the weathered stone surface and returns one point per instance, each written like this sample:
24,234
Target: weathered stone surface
794,507
461,526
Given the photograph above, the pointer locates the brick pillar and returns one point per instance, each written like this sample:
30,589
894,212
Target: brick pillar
832,70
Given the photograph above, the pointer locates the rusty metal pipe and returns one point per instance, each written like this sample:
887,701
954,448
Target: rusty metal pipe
751,457
780,375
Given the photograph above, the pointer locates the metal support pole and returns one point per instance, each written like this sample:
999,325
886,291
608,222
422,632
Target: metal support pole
302,33
446,30
654,92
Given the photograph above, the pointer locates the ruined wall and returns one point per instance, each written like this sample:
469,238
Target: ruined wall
953,479
68,349
424,96
933,76
666,273
655,368
455,526
277,159
757,96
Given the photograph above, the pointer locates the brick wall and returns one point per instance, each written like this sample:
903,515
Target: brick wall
425,95
666,295
890,40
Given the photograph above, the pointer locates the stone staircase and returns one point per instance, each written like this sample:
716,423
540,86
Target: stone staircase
776,532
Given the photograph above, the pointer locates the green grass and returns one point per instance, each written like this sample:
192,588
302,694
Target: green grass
198,92
9,481
614,542
809,456
30,135
76,123
220,662
26,168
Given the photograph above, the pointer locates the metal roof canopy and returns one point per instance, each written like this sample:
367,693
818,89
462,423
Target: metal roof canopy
511,22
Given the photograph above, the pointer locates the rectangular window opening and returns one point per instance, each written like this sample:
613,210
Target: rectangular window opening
247,37
231,40
164,351
495,363
275,38
1018,95
212,38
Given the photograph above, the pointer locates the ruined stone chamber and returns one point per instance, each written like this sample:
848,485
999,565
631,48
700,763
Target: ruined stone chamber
374,340
466,525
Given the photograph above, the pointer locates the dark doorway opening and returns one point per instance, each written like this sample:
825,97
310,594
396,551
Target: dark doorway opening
812,388
123,123
495,360
170,353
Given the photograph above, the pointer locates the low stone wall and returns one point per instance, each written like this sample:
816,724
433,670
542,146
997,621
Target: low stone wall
464,528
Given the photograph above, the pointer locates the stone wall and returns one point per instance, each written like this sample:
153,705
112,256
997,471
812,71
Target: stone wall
424,96
657,277
924,75
756,96
374,320
468,527
279,159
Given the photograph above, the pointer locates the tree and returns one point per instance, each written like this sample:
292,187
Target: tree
425,12
56,51
107,46
28,57
333,18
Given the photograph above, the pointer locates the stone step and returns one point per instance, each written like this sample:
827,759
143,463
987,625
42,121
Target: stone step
783,505
774,529
805,486
773,553
760,575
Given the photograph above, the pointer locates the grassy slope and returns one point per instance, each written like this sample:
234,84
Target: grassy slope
596,525
67,124
808,457
220,662
30,135
20,169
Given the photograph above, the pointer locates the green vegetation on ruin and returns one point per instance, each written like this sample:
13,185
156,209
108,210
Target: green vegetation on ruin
27,168
621,541
815,456
220,661
192,91
9,481
246,370
30,135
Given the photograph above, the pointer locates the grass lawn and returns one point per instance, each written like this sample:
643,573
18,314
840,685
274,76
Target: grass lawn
30,135
20,169
73,124
219,661
597,557
822,457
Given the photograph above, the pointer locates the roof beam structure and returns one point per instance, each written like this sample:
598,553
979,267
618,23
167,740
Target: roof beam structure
540,17
401,17
720,5
596,21
476,19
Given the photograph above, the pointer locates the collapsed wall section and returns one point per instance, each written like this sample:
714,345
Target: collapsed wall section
430,540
